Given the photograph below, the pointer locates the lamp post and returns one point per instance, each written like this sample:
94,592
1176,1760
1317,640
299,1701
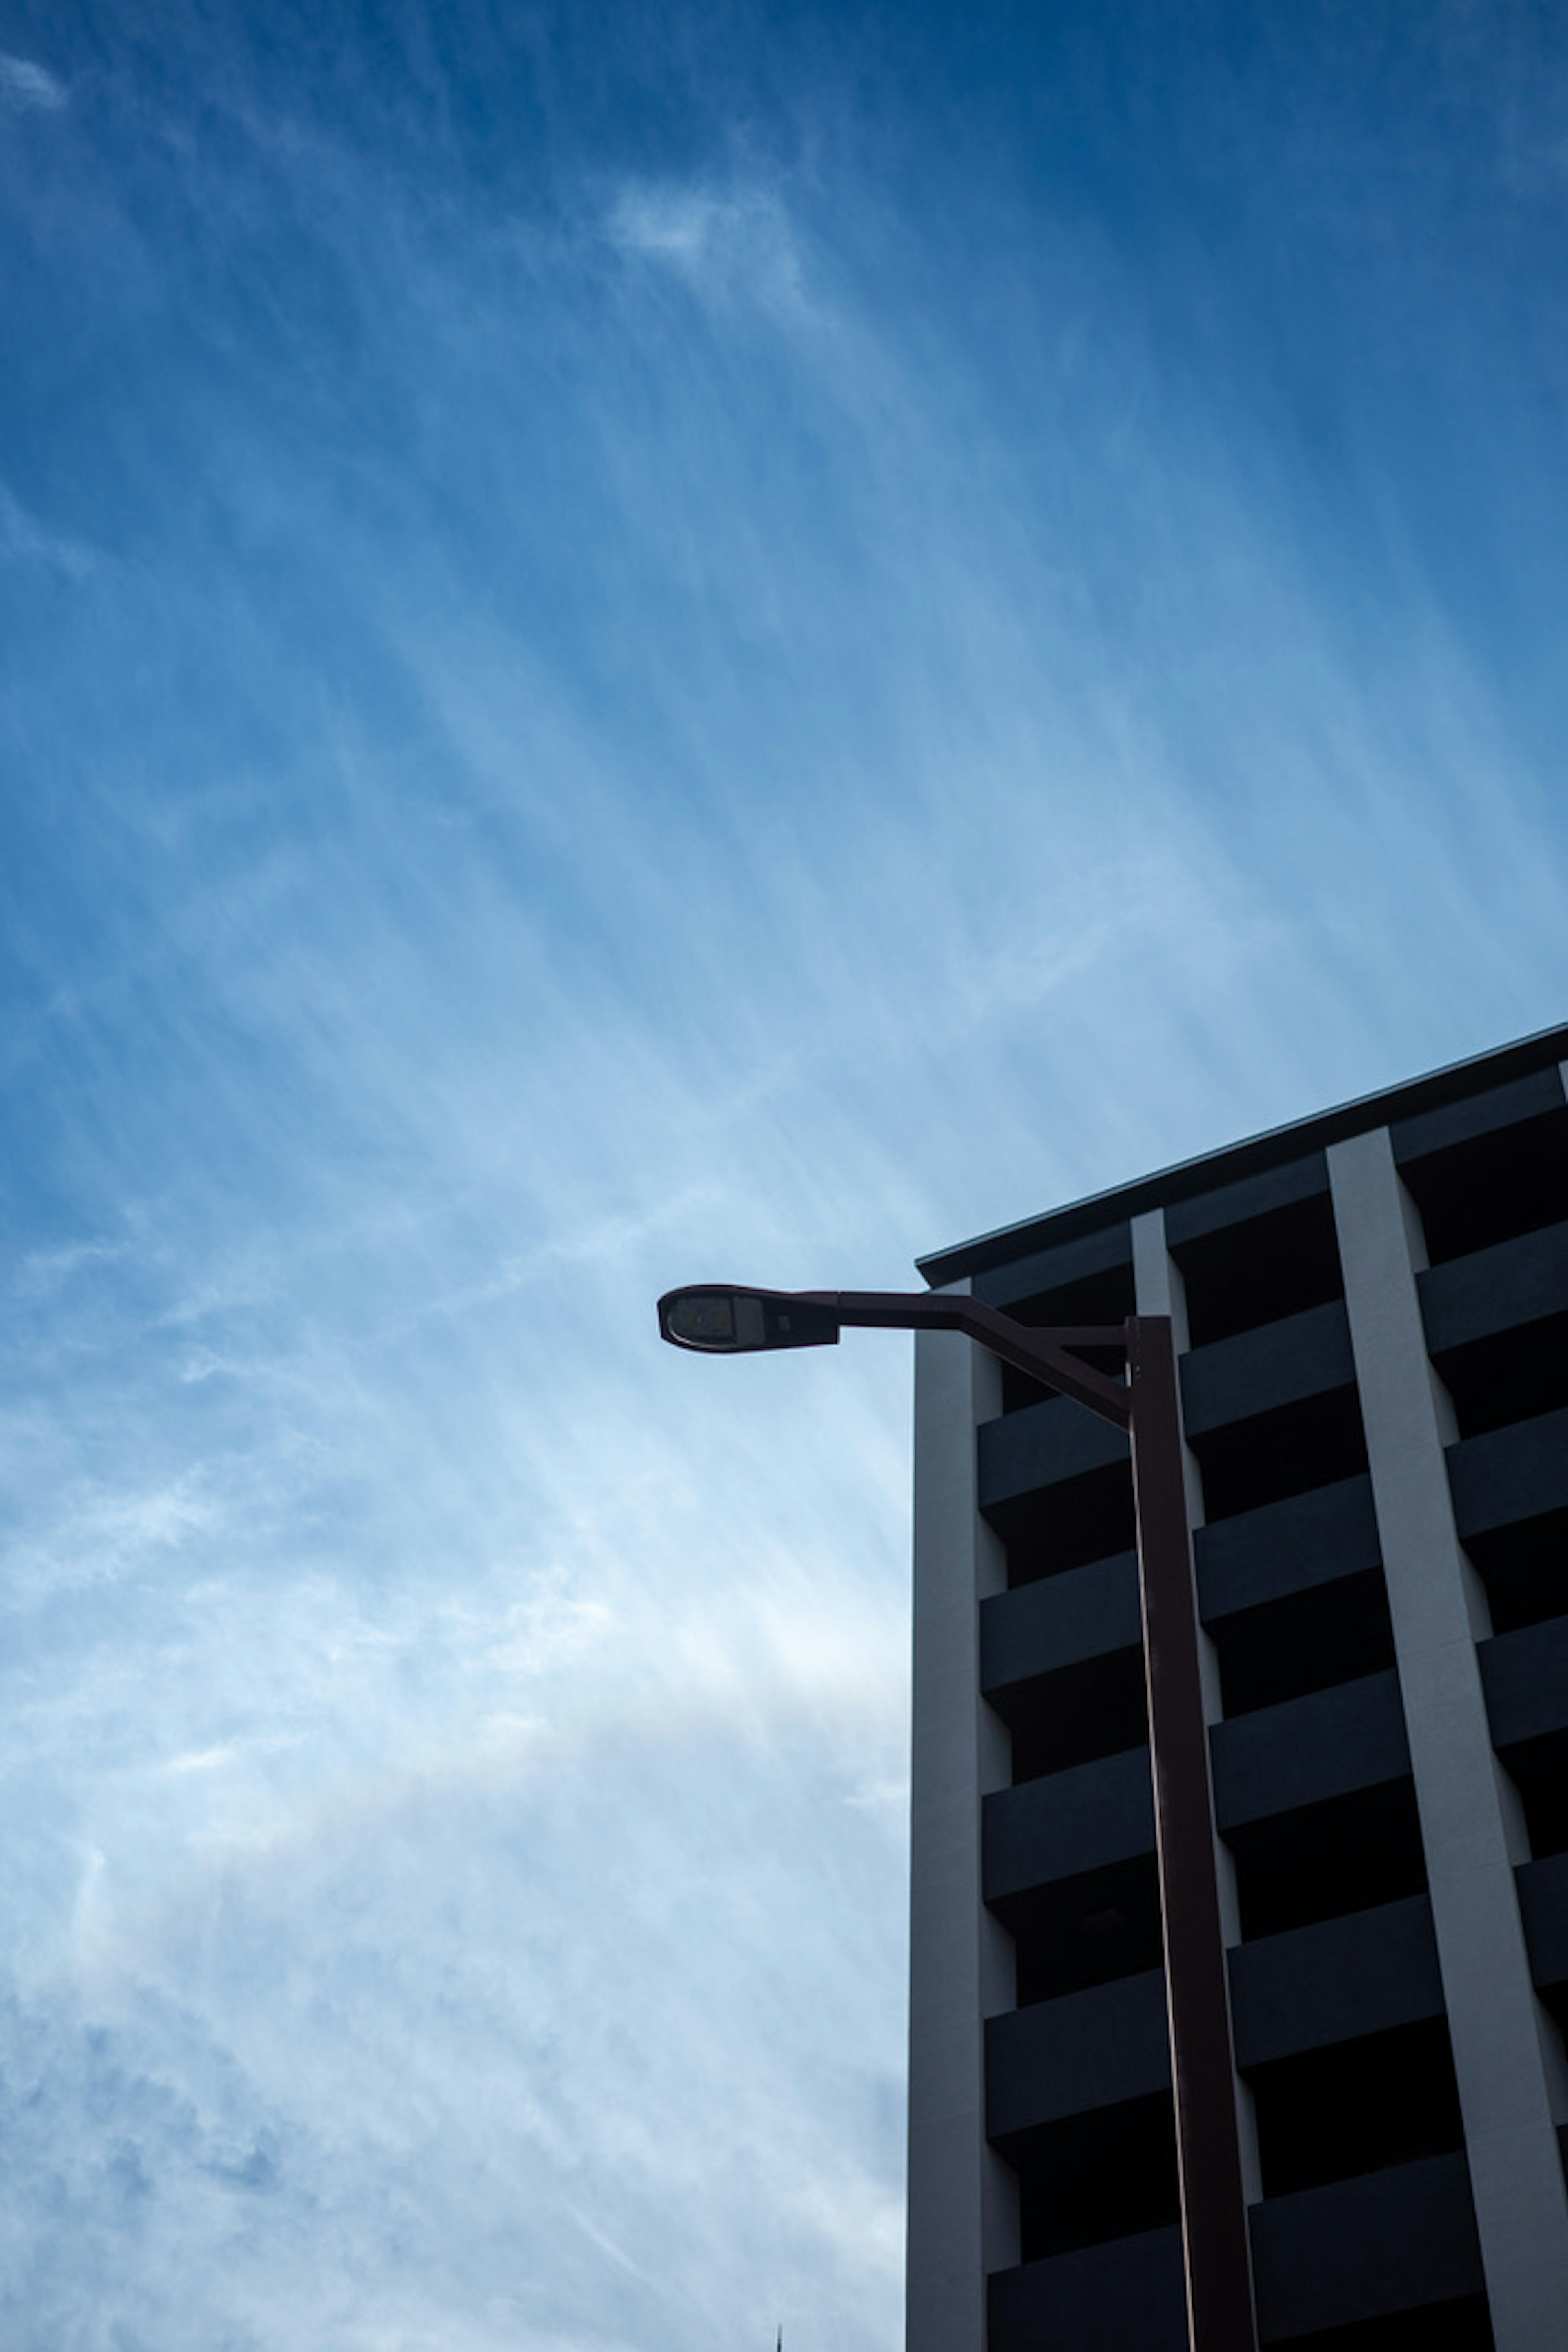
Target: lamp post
716,1319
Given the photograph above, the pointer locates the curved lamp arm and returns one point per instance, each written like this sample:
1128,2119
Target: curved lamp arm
722,1319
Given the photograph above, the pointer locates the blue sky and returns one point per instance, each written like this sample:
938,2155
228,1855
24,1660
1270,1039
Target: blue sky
648,644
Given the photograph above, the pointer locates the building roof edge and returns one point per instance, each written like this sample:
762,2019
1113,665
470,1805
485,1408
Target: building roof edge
1255,1153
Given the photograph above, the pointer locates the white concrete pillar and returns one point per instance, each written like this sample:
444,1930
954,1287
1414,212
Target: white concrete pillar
1506,2054
962,2199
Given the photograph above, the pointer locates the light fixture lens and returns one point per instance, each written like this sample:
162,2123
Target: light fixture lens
737,1322
704,1317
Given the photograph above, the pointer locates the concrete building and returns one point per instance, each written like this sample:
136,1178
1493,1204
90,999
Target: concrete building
1373,1307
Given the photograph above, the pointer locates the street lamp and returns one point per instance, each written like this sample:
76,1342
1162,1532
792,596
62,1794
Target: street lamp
715,1319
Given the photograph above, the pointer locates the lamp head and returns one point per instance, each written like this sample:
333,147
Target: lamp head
719,1320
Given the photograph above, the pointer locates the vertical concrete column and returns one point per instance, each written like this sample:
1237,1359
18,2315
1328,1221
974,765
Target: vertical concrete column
1506,2051
1159,1289
962,2200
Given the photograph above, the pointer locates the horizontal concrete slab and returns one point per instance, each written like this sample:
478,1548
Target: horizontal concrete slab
1257,1372
1334,1982
1498,1289
1525,1678
1285,1547
1255,1196
1476,1115
1092,2048
1070,1262
1544,1907
1041,1446
1511,1473
1058,1622
1129,2293
1073,1821
1393,2241
1309,1750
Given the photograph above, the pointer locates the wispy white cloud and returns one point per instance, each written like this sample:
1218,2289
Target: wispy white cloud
722,740
27,84
738,241
100,1535
46,1269
25,540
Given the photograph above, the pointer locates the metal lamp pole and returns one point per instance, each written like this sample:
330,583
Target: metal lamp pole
719,1320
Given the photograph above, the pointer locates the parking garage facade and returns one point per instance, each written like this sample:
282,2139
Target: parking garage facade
1372,1307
